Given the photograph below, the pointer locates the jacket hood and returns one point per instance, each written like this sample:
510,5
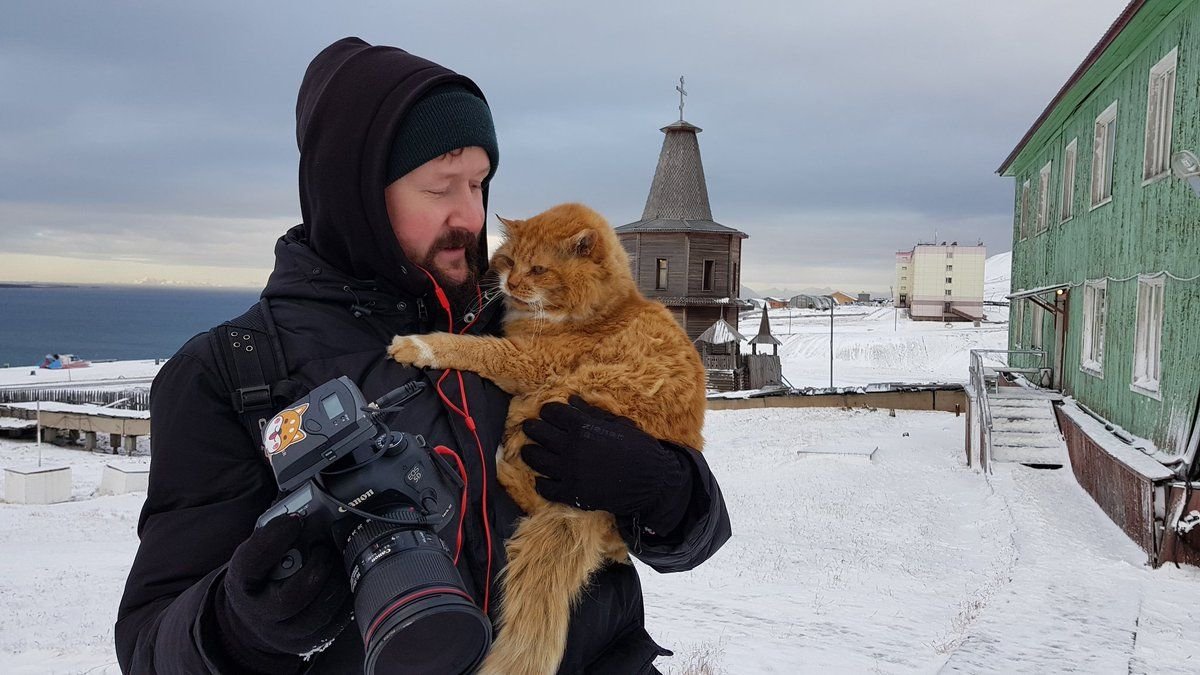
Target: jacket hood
350,105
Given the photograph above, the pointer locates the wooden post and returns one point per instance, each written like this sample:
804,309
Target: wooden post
114,442
89,441
130,445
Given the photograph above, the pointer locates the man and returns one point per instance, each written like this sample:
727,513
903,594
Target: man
396,154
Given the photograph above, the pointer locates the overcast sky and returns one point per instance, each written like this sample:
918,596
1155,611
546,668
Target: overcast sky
157,139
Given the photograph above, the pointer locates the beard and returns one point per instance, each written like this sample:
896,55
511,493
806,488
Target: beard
462,294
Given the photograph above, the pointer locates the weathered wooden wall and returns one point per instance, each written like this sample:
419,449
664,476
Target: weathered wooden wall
1148,227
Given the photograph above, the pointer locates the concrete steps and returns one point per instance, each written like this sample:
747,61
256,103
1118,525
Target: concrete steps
1024,429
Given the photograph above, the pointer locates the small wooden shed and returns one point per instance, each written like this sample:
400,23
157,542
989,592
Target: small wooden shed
720,348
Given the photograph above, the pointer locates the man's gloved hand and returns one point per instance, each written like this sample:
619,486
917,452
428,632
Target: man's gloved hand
595,460
261,619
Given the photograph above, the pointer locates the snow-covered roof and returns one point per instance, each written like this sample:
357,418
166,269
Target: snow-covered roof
52,406
720,333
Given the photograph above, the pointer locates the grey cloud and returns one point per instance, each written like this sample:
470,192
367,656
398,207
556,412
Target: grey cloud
179,118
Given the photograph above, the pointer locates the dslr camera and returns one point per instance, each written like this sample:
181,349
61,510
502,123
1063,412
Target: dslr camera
383,496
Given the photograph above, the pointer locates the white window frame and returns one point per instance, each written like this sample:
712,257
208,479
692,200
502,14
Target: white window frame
1037,318
1023,208
1160,109
1067,198
1104,150
1091,350
1043,208
1147,349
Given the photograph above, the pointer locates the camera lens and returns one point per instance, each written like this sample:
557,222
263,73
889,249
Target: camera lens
414,614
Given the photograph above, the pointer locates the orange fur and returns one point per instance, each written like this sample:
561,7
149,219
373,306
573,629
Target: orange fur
576,324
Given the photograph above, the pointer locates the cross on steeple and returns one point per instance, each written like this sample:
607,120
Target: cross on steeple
682,93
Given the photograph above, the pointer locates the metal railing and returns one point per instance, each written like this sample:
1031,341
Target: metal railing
977,393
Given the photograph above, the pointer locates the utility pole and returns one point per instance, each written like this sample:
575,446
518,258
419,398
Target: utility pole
831,305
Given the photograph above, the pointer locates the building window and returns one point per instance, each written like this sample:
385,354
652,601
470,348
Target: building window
903,278
946,307
1023,216
735,282
709,267
949,268
1147,348
949,254
1091,353
1035,334
1103,148
949,292
1043,207
949,280
1160,103
1067,205
660,281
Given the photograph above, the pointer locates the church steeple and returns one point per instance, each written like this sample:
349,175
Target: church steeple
679,191
679,255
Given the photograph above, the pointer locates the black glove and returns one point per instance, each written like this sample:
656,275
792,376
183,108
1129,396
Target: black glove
260,619
595,460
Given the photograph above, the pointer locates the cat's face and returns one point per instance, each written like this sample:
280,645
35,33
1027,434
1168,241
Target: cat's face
558,264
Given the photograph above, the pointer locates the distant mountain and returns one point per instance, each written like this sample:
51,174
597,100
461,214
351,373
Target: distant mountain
748,292
997,277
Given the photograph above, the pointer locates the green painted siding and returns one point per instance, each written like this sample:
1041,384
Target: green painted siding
1145,229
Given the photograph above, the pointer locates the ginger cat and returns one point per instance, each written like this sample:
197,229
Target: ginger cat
575,324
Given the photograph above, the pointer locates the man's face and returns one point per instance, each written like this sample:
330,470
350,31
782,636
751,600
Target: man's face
437,214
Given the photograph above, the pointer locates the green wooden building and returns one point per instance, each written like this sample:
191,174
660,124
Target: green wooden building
1106,241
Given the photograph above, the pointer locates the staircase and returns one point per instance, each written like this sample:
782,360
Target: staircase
1024,430
1016,423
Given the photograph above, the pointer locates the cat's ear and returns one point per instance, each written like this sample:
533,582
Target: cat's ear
583,243
506,225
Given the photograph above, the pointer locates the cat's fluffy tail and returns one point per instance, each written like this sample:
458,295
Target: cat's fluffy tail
550,558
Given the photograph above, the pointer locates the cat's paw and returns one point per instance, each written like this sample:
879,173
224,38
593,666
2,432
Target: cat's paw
411,349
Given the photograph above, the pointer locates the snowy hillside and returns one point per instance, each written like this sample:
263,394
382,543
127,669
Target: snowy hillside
997,277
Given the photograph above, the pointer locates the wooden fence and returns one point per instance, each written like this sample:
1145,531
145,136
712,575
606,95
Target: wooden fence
131,399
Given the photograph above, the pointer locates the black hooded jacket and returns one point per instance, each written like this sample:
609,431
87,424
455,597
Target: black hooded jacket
341,288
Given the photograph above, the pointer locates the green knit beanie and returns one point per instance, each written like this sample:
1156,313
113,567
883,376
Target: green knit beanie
446,118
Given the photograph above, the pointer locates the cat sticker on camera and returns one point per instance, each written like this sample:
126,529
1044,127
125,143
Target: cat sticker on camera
284,429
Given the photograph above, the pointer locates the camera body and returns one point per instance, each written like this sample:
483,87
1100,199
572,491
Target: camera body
382,495
306,440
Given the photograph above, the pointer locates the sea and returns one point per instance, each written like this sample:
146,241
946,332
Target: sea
108,322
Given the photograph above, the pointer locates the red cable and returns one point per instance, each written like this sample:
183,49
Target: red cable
470,422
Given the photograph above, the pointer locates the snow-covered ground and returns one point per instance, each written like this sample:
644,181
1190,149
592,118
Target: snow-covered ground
895,558
871,345
862,543
876,344
97,375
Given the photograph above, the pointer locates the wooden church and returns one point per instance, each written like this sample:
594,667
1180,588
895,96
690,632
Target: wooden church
680,256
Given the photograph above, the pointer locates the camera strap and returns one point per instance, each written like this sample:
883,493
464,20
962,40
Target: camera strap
255,371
